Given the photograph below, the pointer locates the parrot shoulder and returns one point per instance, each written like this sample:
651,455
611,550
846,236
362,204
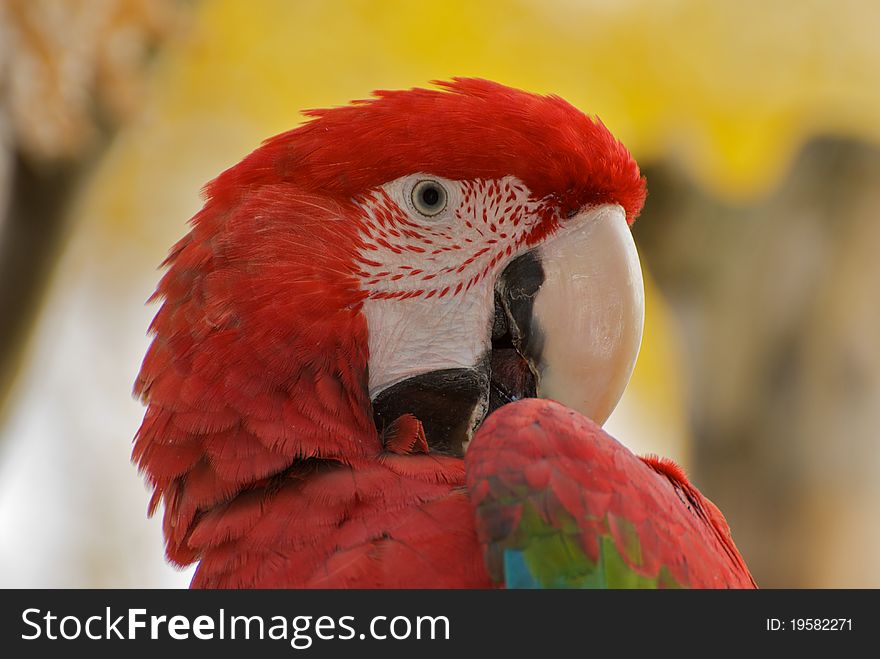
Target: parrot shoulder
559,503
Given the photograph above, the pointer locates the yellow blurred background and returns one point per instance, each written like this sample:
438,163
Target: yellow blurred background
755,122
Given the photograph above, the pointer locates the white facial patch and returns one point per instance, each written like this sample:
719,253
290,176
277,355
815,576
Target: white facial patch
430,279
414,336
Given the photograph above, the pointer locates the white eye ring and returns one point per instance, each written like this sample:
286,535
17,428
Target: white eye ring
429,197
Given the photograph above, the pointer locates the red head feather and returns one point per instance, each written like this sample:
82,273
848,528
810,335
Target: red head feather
469,129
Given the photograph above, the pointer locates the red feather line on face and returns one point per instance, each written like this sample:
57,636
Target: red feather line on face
460,253
256,380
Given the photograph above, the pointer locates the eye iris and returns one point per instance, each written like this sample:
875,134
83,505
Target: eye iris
429,198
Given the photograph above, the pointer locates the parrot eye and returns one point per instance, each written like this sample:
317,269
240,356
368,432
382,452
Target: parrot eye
429,197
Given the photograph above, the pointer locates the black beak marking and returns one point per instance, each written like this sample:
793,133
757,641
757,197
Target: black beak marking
449,403
515,294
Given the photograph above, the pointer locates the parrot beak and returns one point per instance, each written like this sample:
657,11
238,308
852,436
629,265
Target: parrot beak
574,308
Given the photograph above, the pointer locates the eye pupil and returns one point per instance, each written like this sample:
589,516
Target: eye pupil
429,198
430,195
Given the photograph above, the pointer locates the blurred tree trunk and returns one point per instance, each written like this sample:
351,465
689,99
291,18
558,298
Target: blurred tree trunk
29,240
780,308
65,85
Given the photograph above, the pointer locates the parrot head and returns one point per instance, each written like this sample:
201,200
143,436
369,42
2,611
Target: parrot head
494,256
432,252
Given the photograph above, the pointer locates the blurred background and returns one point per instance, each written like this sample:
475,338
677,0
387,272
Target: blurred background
755,122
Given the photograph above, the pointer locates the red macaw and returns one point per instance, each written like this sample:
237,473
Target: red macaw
349,378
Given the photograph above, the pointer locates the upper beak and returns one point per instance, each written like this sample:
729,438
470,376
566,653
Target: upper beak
585,328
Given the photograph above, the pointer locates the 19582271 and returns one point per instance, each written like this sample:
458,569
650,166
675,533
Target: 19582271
809,624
